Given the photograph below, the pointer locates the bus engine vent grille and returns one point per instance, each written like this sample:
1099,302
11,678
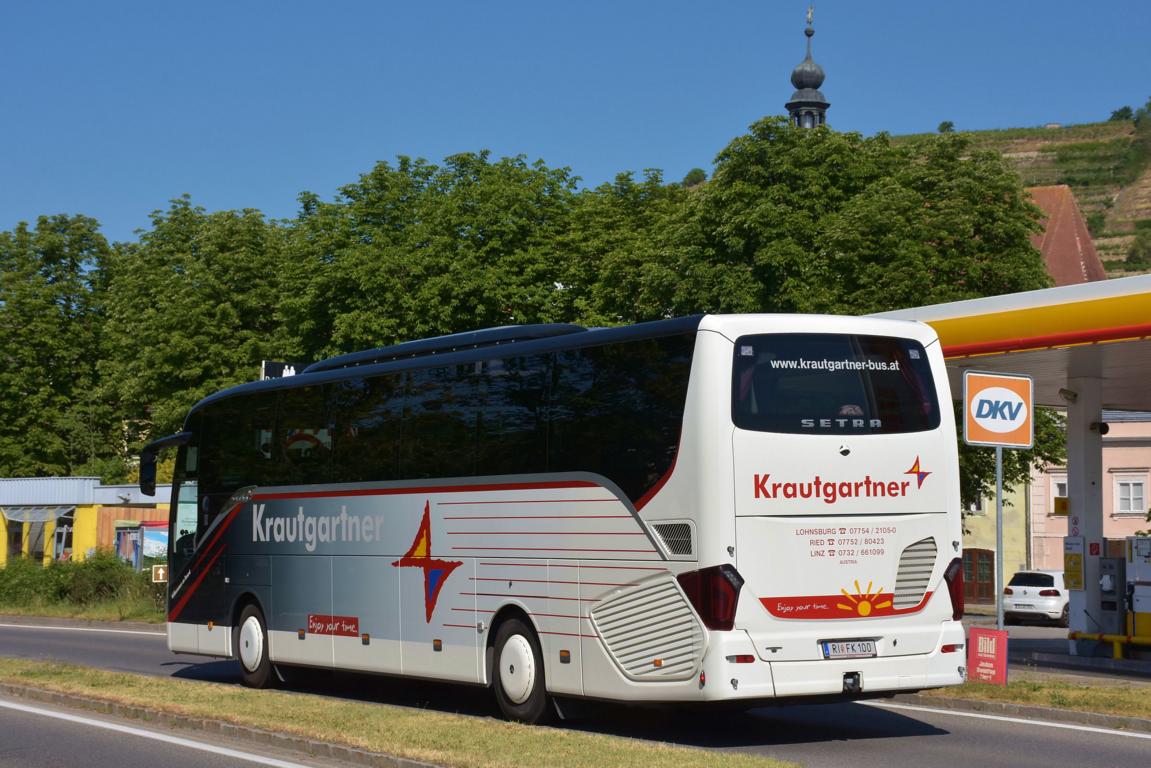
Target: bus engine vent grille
651,632
677,537
915,567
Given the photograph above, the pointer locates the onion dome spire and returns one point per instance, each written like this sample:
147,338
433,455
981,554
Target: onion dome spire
808,107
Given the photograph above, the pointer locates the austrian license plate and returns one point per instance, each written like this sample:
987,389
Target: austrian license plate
848,649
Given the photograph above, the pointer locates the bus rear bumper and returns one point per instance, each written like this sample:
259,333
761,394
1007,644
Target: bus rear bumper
868,676
946,665
847,678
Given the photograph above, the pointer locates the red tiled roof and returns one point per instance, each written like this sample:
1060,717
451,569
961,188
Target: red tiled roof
1065,243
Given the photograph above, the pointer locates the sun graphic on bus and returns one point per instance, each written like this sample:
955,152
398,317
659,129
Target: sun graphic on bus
863,602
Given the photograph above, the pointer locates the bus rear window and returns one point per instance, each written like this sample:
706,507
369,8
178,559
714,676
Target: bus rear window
832,384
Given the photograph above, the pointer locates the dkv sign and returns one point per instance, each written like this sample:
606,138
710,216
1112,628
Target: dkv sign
997,410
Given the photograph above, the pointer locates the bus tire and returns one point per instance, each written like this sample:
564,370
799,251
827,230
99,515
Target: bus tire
252,649
519,673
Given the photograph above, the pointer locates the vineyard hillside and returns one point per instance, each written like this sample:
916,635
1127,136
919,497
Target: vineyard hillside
1107,165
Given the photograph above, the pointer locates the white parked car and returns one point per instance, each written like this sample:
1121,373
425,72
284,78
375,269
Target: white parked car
1036,595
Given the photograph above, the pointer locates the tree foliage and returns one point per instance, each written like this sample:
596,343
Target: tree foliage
53,422
191,308
418,249
106,347
810,220
1123,113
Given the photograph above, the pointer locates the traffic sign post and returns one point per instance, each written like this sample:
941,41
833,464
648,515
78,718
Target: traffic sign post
998,411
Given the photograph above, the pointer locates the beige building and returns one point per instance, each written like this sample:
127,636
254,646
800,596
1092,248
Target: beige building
1126,478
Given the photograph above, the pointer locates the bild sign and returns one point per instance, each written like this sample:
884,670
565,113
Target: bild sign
997,410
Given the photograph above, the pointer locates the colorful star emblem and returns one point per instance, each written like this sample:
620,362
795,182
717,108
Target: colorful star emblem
920,474
436,571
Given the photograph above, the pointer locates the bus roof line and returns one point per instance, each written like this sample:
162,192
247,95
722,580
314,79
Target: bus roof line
453,342
588,338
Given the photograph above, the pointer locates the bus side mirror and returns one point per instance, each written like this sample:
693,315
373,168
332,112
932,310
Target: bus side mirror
148,472
148,459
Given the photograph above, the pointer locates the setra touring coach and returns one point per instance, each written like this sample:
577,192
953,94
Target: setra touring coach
719,508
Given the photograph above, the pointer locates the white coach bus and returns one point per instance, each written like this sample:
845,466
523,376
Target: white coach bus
708,509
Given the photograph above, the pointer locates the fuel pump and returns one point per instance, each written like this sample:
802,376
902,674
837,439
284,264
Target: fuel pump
1139,585
1113,595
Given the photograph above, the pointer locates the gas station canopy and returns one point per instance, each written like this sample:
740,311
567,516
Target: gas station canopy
1099,330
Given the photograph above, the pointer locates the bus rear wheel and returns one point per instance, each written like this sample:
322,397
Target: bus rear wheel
252,648
519,674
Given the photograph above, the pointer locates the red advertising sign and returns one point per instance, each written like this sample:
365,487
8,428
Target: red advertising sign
345,626
987,655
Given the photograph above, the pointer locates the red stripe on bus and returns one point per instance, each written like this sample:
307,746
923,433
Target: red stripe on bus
643,500
545,533
525,565
425,489
524,501
553,581
552,549
617,567
539,517
576,565
541,597
179,607
569,634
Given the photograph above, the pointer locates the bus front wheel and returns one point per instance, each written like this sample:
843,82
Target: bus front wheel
252,648
519,673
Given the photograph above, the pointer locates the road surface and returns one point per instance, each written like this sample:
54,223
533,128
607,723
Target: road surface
884,735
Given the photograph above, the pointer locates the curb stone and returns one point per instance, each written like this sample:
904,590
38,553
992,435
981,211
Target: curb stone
299,744
1028,711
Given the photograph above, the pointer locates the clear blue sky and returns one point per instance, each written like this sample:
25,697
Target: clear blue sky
112,108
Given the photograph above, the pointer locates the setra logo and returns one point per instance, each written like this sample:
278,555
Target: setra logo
998,409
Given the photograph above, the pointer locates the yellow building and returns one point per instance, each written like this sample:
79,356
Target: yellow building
63,518
979,540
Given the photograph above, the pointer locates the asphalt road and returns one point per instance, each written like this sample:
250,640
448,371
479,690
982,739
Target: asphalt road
35,735
887,735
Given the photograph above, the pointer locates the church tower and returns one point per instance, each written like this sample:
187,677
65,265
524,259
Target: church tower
808,107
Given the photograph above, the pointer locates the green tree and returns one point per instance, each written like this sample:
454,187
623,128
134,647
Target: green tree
1139,253
694,177
1143,113
797,220
977,463
946,127
53,422
191,308
417,249
614,246
1123,113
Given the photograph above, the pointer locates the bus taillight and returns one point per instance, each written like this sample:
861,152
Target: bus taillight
713,593
954,578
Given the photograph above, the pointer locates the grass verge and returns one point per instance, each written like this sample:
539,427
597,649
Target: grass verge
98,587
106,610
1111,698
434,737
